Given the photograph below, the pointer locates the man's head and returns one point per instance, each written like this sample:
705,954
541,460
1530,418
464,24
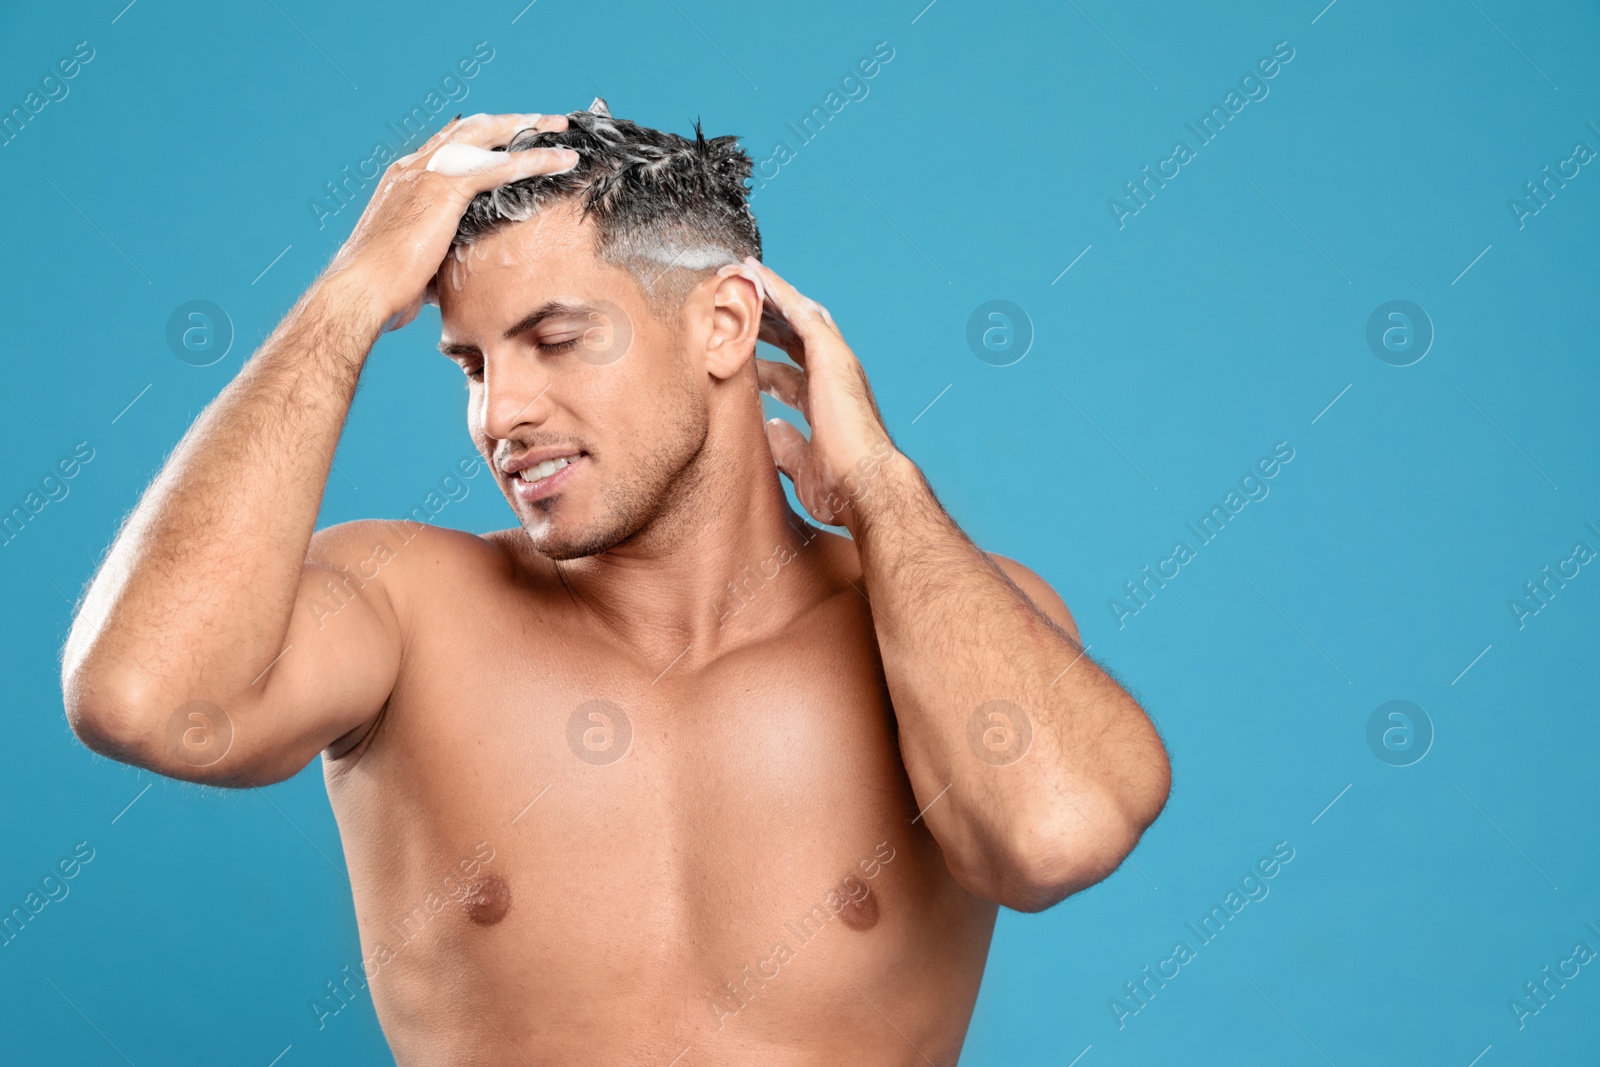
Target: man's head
589,313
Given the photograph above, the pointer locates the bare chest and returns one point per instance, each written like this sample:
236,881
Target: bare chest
679,808
707,844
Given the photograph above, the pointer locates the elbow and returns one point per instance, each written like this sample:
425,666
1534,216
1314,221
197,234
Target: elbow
105,714
1069,847
126,720
1054,860
117,711
98,704
113,711
187,743
1147,799
100,699
1066,844
1037,864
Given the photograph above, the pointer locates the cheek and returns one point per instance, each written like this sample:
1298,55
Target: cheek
634,398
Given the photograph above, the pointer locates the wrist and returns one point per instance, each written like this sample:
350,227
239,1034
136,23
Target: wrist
346,296
889,492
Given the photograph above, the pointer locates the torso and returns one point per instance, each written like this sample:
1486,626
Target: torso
723,867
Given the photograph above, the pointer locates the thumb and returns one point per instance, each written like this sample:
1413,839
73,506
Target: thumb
788,447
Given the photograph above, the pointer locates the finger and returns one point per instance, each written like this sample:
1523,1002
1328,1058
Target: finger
785,384
788,447
484,131
496,131
469,171
804,314
775,330
543,124
455,160
743,270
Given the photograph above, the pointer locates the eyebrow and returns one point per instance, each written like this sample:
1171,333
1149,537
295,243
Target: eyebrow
522,325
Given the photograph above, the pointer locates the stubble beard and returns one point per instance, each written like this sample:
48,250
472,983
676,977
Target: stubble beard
634,503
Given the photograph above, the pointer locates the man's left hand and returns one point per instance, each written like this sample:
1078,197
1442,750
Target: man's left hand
833,472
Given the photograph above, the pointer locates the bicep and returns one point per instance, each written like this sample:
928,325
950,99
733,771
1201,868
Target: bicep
339,661
1043,597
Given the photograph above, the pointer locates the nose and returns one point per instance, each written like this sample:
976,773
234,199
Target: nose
514,395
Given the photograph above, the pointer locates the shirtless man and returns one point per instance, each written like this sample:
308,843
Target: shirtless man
664,774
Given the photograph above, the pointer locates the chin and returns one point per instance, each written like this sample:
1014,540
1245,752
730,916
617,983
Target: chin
571,525
561,542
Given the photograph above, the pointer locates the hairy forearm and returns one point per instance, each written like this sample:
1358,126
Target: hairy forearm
1033,797
198,587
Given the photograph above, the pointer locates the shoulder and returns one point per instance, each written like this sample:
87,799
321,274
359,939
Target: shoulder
400,554
1045,598
352,543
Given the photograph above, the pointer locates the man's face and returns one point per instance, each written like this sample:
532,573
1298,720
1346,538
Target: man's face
586,405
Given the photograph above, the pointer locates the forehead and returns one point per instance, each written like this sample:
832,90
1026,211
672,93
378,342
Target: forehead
549,256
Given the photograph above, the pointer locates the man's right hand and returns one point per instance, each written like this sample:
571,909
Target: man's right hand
405,232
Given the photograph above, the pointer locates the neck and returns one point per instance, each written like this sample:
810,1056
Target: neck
685,587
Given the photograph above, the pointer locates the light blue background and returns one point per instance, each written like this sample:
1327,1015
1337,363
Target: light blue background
1223,318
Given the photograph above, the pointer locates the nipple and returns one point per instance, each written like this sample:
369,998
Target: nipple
488,899
860,911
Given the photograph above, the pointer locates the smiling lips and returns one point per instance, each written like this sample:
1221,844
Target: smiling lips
543,479
545,469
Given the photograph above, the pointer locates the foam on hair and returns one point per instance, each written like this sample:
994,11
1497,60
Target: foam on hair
665,207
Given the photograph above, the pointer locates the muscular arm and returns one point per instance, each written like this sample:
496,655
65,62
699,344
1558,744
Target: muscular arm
209,597
196,596
960,630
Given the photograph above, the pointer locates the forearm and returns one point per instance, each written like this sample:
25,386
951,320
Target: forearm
198,587
966,652
956,634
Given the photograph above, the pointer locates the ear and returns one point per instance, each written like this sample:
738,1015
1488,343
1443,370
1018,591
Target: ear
735,321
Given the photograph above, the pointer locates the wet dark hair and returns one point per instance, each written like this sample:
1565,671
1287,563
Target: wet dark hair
666,208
